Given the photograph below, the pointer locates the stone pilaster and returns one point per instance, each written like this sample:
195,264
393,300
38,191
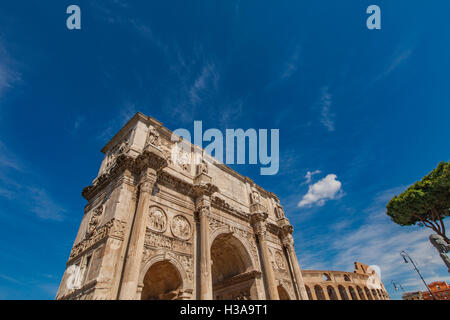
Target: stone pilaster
203,210
259,224
149,163
288,243
201,192
136,244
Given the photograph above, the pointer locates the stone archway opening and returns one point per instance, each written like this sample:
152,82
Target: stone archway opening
232,272
332,293
319,292
161,282
352,293
282,293
342,292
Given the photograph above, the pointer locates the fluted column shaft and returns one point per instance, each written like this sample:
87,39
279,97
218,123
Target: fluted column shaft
135,249
269,276
203,209
288,242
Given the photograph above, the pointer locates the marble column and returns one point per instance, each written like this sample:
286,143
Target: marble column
203,210
129,285
288,243
259,224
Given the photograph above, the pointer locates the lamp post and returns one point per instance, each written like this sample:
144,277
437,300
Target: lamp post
405,255
397,285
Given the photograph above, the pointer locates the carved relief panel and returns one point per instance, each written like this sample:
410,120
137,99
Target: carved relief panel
94,220
157,220
279,260
181,228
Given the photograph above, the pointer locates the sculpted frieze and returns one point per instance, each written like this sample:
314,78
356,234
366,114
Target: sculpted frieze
188,265
162,241
174,183
222,205
113,228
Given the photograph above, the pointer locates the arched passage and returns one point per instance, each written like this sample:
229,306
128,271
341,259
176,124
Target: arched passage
162,281
319,292
332,293
360,293
282,293
308,292
374,294
367,291
353,293
342,292
380,295
232,272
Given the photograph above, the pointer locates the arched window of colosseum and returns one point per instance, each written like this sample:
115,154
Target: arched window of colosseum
346,277
353,293
308,291
161,282
367,291
319,292
326,277
283,295
374,294
342,292
332,293
360,293
380,294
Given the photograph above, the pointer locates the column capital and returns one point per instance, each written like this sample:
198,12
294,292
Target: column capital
147,180
204,211
258,220
285,232
288,242
258,217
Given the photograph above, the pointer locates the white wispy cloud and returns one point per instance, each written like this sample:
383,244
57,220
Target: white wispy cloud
126,111
325,189
196,83
287,68
8,73
292,64
309,175
44,206
326,116
207,78
400,56
31,195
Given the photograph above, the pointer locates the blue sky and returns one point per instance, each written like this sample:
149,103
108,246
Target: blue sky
364,112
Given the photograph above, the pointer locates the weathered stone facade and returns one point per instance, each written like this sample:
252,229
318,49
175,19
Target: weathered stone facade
155,228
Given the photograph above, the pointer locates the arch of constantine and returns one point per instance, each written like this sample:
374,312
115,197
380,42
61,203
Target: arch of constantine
158,228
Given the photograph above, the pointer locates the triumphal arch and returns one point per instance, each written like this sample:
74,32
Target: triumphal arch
155,227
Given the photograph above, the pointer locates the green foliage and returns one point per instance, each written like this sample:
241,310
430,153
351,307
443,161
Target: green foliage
425,202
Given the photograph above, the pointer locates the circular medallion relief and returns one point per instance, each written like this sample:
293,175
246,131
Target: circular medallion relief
280,260
181,228
157,220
